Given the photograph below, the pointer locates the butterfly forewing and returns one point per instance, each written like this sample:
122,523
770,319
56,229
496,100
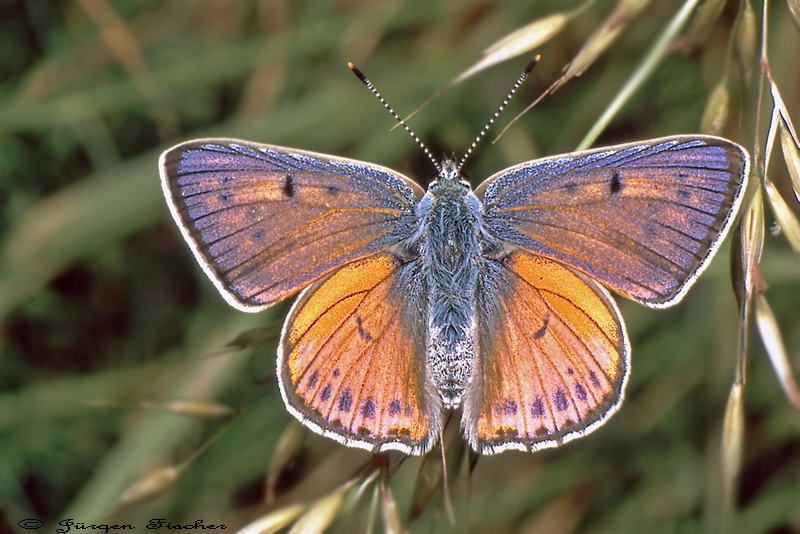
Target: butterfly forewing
352,354
553,357
643,218
265,221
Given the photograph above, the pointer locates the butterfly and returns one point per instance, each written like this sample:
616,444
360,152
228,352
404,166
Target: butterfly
415,302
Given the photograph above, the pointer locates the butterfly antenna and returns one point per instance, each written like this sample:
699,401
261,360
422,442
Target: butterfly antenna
506,100
394,114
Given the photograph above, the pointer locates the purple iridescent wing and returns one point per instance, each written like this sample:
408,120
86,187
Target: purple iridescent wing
642,218
266,221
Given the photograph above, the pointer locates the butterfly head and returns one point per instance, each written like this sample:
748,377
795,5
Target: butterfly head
450,181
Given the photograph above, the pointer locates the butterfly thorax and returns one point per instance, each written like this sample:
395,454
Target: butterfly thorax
451,254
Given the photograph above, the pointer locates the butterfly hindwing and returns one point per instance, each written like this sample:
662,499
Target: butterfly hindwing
351,358
265,221
553,356
643,218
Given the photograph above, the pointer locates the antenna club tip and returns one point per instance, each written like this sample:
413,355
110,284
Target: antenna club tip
357,72
532,63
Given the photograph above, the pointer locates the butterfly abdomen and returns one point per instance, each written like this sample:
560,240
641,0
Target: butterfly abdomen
450,262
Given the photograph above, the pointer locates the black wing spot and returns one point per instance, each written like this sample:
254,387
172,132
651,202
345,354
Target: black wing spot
570,187
361,332
395,407
539,333
326,393
368,408
509,407
345,400
224,197
333,190
537,408
580,392
288,185
594,379
560,400
312,380
616,183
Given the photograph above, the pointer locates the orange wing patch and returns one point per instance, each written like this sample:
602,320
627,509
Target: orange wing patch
351,359
553,357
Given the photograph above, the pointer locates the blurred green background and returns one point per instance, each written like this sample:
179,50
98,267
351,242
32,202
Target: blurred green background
105,314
